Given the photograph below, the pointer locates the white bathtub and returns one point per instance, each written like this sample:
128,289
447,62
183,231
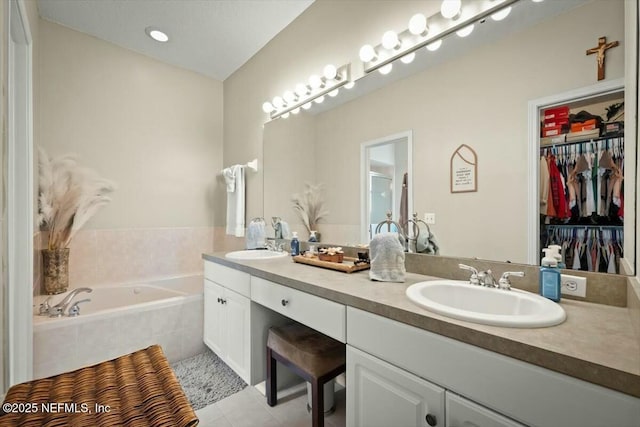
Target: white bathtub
120,319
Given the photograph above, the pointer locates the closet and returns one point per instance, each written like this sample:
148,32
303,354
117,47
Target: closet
582,182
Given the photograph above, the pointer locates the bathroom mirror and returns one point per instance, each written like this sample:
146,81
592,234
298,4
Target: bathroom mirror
478,97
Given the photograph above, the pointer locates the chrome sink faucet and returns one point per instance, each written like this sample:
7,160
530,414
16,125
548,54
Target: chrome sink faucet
474,273
485,278
504,282
59,309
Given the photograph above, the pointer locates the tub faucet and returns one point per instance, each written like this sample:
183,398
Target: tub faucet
59,309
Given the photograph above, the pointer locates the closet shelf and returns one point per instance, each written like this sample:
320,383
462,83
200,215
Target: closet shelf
547,142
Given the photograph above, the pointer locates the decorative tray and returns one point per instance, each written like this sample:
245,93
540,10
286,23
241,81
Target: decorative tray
346,266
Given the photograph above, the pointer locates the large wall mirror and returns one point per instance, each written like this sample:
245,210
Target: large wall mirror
475,96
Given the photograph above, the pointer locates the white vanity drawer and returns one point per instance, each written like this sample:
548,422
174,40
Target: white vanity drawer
323,315
237,281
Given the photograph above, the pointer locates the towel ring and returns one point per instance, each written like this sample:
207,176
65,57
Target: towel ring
389,222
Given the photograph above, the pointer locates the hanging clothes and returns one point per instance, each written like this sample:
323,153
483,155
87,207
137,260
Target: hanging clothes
597,249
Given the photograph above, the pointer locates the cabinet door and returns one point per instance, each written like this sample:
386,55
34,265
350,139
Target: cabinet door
382,395
213,317
465,413
237,339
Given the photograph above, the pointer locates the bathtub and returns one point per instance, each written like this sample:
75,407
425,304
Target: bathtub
120,319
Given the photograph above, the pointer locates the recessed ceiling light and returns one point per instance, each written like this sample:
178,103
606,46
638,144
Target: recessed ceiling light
156,34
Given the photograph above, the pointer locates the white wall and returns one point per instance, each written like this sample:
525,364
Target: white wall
153,128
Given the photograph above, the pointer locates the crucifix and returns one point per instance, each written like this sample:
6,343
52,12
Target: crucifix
600,50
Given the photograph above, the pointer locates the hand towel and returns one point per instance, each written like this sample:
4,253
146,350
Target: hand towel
234,178
387,258
286,231
256,234
427,243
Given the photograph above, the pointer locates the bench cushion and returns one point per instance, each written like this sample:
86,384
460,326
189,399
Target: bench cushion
311,351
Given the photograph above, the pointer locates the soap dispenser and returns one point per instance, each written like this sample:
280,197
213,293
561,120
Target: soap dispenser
295,244
557,255
550,279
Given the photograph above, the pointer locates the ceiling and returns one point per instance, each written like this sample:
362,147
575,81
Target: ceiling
211,37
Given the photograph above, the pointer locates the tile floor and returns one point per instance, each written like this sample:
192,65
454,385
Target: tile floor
248,408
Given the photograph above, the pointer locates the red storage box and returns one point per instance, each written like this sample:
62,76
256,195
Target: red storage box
552,131
556,113
555,122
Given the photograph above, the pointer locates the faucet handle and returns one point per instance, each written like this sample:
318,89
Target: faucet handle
74,310
44,307
474,273
504,282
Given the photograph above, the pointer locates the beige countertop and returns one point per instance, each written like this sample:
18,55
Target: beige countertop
596,343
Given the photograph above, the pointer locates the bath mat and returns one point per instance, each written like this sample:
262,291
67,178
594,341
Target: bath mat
206,379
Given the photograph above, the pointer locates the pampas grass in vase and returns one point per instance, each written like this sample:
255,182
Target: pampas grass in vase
310,207
69,196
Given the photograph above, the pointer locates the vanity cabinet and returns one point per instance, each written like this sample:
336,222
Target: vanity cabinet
461,412
227,327
497,389
227,317
381,395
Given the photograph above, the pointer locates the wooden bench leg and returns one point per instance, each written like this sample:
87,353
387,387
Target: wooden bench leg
272,383
317,403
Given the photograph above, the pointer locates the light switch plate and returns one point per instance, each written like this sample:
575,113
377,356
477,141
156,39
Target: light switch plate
574,285
430,218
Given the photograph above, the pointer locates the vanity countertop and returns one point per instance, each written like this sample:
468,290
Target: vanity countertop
596,343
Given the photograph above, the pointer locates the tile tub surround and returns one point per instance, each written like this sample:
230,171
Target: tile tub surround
117,256
64,346
597,343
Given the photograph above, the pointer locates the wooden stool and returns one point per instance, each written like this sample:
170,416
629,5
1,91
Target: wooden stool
311,355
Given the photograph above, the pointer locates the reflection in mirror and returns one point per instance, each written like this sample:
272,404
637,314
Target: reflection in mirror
475,96
386,177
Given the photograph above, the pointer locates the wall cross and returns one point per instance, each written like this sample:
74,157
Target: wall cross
600,50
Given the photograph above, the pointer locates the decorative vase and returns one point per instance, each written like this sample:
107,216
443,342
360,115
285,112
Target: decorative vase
314,236
55,270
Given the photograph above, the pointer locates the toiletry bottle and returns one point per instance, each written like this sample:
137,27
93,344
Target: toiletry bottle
295,244
558,255
550,283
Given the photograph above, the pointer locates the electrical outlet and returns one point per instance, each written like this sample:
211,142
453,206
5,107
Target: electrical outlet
574,285
430,218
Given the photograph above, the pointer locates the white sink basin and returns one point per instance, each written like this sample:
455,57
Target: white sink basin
478,304
255,254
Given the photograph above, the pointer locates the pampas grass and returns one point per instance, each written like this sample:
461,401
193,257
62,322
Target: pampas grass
310,206
69,196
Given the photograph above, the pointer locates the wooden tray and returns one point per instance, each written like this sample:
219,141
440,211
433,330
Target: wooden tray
347,266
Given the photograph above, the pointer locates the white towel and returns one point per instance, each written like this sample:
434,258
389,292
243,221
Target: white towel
387,258
286,230
234,177
256,235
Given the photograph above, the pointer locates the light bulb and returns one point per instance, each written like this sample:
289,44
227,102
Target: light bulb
306,106
501,14
319,99
464,32
390,40
285,116
267,107
315,81
350,85
367,53
302,89
290,97
334,93
295,110
435,45
418,25
408,58
278,102
386,69
450,9
330,72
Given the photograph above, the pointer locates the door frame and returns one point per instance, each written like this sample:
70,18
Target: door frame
19,289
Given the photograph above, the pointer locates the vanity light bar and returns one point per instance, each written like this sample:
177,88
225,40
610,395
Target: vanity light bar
438,27
318,87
